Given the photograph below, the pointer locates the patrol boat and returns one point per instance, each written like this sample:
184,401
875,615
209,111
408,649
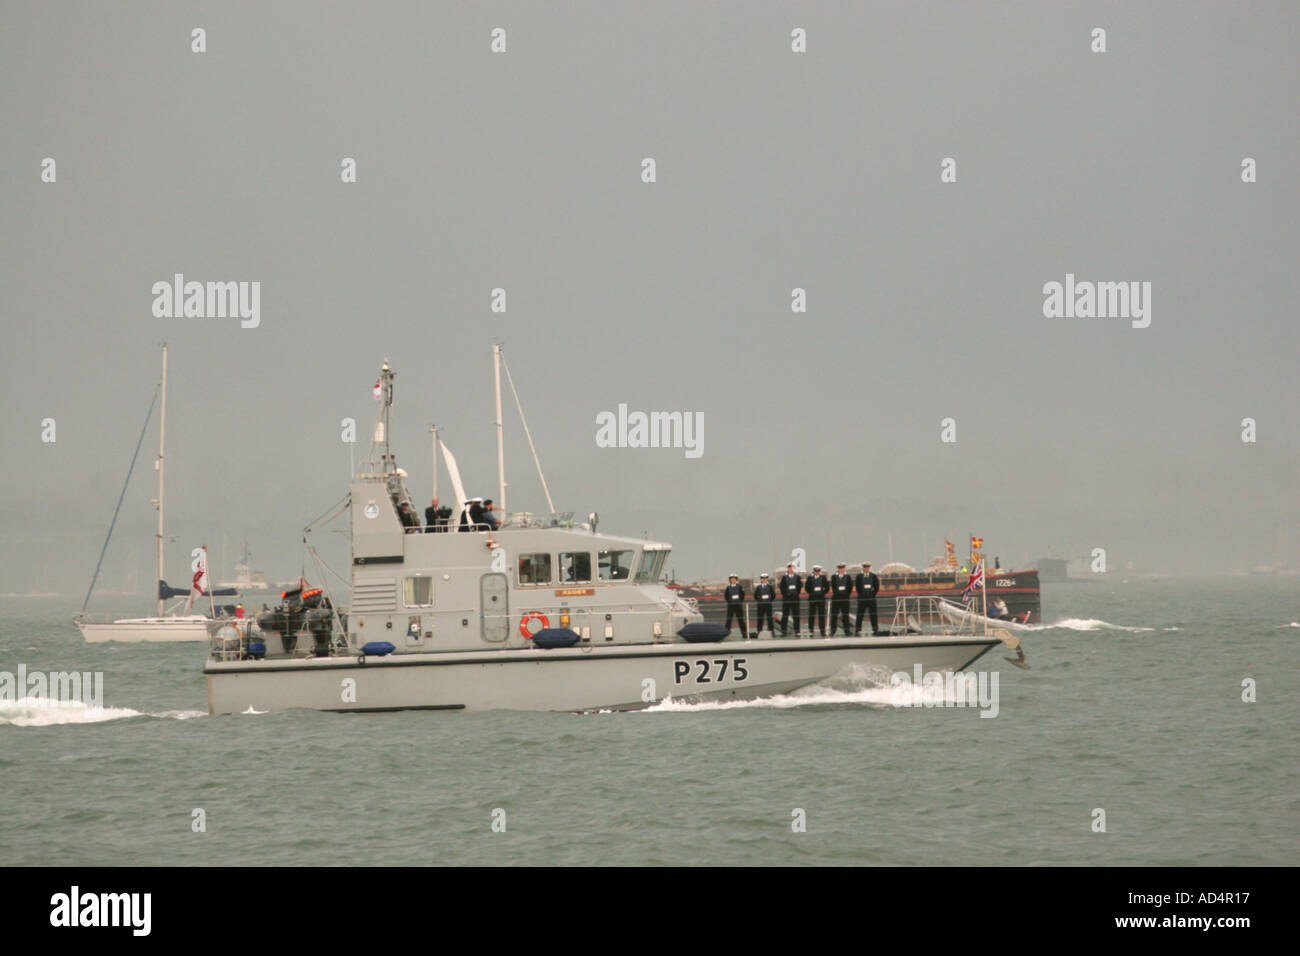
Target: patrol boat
542,613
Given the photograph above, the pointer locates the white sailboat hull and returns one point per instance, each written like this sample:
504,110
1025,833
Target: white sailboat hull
615,677
159,630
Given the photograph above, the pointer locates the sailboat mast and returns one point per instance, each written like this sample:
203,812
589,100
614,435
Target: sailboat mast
984,591
501,446
162,439
212,601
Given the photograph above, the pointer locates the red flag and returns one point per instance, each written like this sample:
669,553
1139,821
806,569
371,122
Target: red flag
198,587
976,577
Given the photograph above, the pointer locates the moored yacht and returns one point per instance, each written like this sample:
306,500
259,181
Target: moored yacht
167,626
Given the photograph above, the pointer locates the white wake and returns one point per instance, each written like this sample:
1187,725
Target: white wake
854,686
1089,624
45,712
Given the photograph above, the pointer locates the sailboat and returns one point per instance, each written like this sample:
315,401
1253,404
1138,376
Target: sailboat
164,627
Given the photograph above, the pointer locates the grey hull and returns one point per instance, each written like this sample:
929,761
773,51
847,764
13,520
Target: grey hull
612,677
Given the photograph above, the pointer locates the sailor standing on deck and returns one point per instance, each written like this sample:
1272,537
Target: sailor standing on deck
841,590
868,586
791,584
764,594
471,519
817,586
735,596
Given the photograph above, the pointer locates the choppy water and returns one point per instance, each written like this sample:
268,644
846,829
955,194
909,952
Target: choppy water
1133,705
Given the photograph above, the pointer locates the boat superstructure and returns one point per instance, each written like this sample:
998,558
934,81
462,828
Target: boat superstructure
540,613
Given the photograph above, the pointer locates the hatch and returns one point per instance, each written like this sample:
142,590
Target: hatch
494,608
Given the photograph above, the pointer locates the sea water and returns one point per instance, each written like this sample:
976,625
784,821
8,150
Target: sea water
1132,739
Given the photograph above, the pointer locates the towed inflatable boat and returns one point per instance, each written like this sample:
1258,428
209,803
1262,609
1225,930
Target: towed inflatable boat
960,616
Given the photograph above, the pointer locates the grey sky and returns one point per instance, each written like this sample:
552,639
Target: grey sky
775,170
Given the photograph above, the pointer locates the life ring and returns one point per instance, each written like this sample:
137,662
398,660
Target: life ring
529,617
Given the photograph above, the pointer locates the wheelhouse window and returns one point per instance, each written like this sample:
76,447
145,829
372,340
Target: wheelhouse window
575,566
534,569
616,565
652,563
417,591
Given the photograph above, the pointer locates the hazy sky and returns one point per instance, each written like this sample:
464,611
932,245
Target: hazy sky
775,170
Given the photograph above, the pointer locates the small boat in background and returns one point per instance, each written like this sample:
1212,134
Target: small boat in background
246,579
959,614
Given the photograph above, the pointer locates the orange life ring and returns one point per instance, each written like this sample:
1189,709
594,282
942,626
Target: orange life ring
532,616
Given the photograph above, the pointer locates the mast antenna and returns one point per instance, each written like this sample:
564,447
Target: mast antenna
529,435
379,440
501,447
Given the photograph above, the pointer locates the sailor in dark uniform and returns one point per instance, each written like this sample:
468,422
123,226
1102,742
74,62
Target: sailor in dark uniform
868,586
817,586
791,584
735,597
841,590
764,594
